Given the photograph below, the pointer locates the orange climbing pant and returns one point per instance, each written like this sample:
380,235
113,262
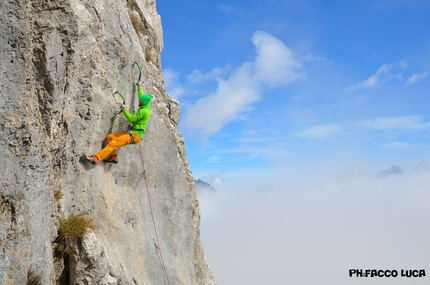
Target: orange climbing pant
114,141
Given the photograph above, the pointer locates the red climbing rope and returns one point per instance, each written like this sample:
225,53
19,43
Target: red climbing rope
157,244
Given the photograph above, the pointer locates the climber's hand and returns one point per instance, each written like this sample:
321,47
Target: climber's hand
122,107
139,83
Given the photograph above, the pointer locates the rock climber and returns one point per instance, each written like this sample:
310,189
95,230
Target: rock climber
138,121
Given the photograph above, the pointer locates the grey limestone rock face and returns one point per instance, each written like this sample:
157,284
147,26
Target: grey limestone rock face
60,62
90,265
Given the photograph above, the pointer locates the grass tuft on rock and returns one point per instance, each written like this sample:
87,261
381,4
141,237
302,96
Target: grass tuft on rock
71,231
74,227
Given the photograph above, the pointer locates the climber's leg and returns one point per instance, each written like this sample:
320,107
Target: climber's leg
113,142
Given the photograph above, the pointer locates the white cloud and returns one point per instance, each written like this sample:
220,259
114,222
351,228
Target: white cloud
319,132
193,81
416,78
233,96
198,76
174,88
170,77
273,66
408,123
383,74
280,236
177,92
214,179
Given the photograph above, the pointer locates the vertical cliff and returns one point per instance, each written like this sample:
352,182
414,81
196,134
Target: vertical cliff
60,62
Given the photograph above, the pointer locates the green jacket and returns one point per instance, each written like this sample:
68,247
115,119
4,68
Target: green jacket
139,120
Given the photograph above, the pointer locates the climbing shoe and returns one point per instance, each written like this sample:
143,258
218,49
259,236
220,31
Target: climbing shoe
92,159
111,159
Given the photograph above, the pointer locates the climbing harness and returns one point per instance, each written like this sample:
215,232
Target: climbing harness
130,128
132,141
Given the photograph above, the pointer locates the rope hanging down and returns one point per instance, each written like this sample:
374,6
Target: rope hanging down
157,243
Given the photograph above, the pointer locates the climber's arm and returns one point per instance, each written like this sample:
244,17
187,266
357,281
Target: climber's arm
140,91
141,114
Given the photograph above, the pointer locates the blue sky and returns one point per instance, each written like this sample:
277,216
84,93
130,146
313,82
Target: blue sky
355,78
291,95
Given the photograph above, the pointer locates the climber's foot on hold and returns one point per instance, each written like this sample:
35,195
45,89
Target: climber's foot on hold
111,159
92,159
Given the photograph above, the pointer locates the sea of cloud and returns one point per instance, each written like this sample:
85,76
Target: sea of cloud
314,234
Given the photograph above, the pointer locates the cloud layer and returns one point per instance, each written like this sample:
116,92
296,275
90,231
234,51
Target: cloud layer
314,235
